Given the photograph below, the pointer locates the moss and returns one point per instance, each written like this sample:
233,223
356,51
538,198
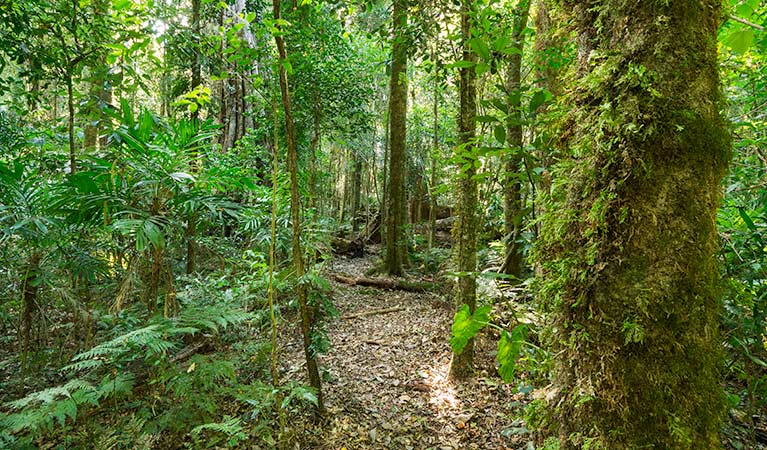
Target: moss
627,248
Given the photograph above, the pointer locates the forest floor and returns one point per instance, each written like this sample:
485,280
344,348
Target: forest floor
386,383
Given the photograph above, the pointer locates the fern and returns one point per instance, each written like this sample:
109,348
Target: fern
212,318
150,336
230,427
39,410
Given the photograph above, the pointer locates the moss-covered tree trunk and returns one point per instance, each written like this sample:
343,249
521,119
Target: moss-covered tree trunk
628,244
396,248
465,230
512,190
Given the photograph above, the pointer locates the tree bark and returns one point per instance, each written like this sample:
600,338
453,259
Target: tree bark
29,301
434,152
396,248
314,147
627,249
191,219
356,186
71,121
512,194
307,321
461,366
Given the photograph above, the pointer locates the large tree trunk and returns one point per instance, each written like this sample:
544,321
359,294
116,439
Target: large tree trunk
512,193
628,244
396,248
461,366
433,158
307,320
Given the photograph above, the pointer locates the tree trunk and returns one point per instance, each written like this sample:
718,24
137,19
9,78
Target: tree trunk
71,122
461,366
512,193
356,190
628,245
434,153
295,213
196,70
314,147
396,248
191,218
90,131
385,181
29,301
105,96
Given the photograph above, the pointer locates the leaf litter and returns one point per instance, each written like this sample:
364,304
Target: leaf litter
385,377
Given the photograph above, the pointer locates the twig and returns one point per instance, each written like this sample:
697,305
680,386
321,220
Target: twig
746,22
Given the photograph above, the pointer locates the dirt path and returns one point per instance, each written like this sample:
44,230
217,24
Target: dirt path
386,384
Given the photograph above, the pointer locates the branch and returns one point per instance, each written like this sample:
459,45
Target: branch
746,22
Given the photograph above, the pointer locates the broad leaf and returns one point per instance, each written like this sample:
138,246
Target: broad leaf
508,351
466,325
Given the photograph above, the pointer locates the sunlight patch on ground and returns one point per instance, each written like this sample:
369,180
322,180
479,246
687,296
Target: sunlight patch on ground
443,396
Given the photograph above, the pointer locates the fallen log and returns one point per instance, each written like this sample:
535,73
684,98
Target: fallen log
351,247
447,223
385,283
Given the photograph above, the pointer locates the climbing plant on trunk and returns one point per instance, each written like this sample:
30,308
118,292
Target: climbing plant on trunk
513,208
627,252
466,226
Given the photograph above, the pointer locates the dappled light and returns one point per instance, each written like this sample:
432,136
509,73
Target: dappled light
383,225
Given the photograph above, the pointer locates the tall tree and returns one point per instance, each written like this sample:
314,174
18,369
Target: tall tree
512,193
191,219
466,227
628,244
396,248
434,155
307,318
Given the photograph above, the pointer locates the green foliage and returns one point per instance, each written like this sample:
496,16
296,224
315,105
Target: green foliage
466,325
37,413
229,432
509,348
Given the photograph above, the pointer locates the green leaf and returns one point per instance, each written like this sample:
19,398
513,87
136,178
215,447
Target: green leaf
462,64
500,134
508,351
287,66
539,98
486,119
480,47
119,5
740,41
466,325
744,215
